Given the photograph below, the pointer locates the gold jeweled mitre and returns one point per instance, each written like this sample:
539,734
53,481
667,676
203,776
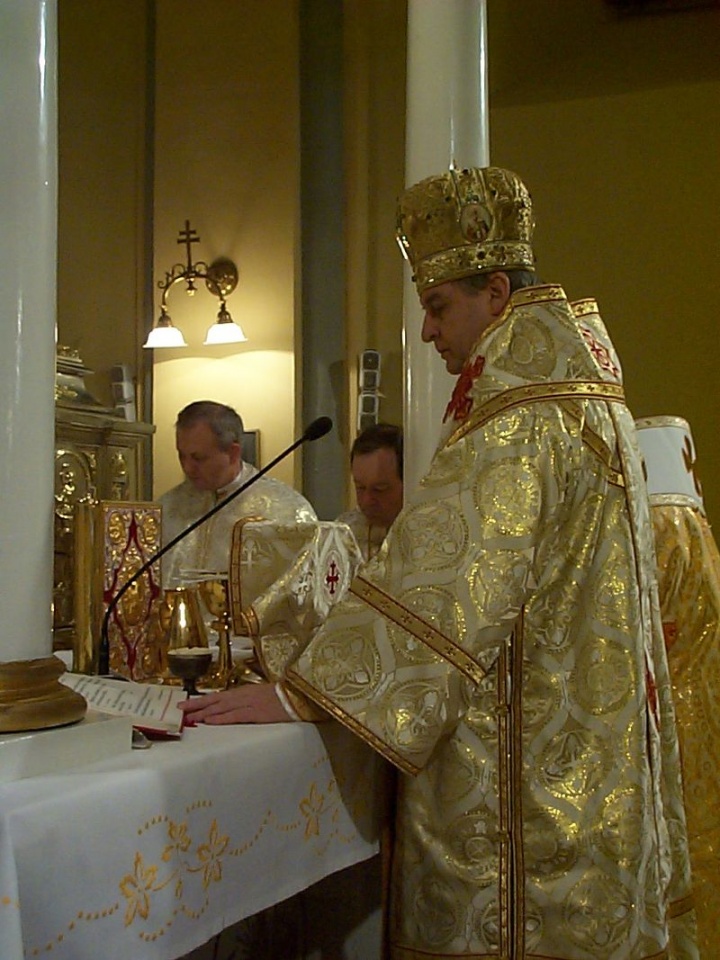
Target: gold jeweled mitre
465,222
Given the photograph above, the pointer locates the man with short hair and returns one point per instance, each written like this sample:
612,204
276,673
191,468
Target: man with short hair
376,464
208,438
504,651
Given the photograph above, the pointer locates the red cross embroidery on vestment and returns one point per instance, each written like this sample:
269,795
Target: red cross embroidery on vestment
601,353
332,577
460,401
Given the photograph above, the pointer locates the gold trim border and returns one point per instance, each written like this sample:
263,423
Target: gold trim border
584,308
420,629
543,293
645,423
32,697
677,500
304,707
235,602
595,443
535,393
365,734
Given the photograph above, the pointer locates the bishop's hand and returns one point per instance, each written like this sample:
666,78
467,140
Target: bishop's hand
247,703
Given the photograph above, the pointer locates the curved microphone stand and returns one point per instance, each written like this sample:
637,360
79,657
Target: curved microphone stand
318,428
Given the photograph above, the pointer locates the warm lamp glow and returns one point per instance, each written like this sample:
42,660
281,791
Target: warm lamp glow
164,335
225,330
220,279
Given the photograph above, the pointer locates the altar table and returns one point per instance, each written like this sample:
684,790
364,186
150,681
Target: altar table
149,854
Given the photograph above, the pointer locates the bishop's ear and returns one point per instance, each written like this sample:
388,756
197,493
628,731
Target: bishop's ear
498,288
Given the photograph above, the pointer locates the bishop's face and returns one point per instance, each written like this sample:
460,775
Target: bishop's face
204,463
456,315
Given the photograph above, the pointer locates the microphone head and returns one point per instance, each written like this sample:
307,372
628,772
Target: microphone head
318,428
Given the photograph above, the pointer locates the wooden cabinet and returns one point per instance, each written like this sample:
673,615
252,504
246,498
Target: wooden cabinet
98,456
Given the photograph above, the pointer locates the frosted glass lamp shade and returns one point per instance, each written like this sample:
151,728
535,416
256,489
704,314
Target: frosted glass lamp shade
164,335
226,331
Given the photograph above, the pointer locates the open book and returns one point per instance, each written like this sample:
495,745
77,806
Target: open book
151,707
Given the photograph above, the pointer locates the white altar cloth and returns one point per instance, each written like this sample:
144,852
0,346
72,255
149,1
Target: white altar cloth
150,854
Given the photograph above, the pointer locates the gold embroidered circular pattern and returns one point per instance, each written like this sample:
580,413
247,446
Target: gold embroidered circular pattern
598,914
449,464
532,348
346,666
434,536
574,764
437,607
413,715
605,678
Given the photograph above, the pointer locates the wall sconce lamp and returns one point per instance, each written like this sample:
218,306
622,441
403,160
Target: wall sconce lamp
220,278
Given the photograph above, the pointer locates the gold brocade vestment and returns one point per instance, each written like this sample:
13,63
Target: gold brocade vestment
369,536
208,547
689,586
504,651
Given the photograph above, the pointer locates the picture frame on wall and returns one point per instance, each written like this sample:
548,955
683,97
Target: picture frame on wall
251,447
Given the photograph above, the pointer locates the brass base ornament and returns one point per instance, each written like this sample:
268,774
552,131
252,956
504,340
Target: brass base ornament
32,697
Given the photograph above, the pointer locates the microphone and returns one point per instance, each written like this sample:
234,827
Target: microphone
318,428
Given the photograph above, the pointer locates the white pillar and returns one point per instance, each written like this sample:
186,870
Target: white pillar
28,191
447,125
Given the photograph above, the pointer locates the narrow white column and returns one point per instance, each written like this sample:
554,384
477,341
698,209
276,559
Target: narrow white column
447,125
28,189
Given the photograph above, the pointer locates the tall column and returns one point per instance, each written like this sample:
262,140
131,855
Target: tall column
447,125
30,696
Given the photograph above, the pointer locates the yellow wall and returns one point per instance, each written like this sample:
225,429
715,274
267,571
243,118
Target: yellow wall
627,203
375,151
102,183
614,124
227,159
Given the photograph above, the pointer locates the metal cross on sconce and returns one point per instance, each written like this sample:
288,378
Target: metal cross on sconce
220,278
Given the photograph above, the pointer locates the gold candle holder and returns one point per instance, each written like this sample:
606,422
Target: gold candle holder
225,673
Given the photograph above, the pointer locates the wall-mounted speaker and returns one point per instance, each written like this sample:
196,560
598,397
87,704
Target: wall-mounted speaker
369,386
123,391
369,379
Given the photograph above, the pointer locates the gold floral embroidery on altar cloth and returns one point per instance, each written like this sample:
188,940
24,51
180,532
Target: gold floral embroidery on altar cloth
181,861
